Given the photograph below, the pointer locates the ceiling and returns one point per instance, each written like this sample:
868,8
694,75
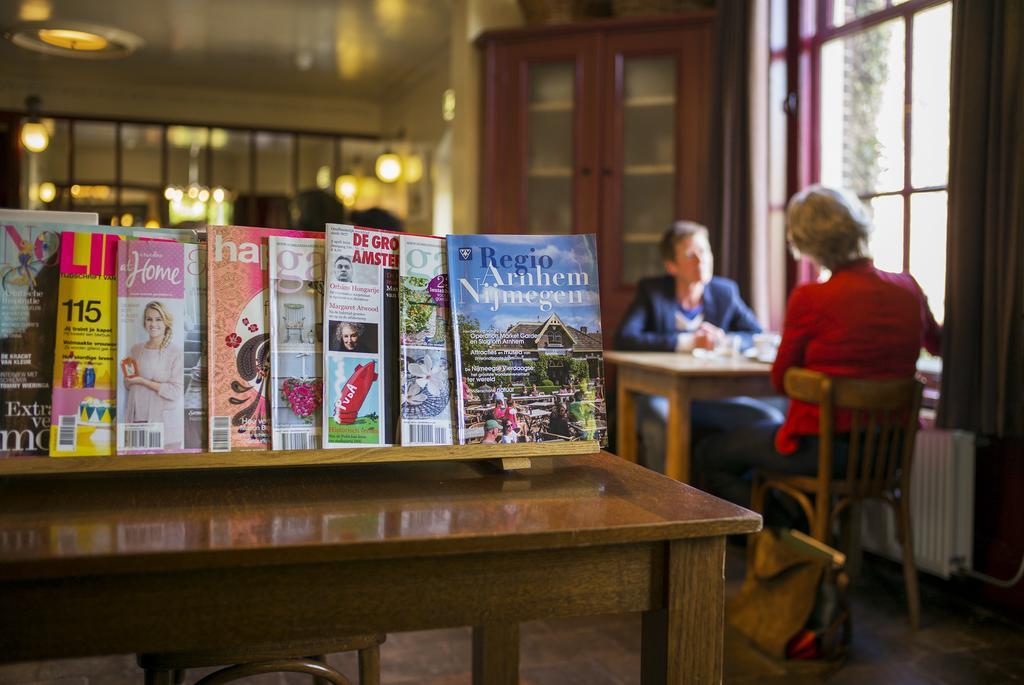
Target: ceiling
350,48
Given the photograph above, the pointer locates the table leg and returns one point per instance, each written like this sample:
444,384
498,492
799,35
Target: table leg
626,415
677,432
684,643
496,654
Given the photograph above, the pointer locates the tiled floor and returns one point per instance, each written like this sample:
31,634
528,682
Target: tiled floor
958,643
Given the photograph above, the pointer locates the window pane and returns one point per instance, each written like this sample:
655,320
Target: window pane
847,10
928,247
273,164
316,159
94,152
550,147
231,162
886,244
186,155
140,155
929,159
862,110
776,133
777,20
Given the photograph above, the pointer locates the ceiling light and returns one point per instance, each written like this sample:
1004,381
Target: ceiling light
34,135
388,167
73,39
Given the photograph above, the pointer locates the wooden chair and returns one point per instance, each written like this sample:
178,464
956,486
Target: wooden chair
169,668
882,433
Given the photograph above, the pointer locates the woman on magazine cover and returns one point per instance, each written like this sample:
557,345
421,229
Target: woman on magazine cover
155,394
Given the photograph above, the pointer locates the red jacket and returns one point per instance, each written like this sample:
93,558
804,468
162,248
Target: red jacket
862,323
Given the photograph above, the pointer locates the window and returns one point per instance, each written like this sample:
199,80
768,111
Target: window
880,122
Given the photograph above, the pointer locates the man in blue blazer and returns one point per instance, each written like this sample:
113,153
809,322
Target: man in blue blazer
685,310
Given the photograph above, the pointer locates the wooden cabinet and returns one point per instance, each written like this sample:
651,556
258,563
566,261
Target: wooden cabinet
599,128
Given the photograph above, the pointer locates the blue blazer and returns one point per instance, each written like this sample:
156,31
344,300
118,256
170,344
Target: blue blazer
650,322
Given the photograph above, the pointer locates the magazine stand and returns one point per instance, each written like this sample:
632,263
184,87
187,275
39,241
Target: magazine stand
508,457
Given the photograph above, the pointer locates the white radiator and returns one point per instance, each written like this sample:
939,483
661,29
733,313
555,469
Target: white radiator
941,506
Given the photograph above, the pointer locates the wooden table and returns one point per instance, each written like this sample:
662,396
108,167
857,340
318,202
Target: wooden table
682,378
157,562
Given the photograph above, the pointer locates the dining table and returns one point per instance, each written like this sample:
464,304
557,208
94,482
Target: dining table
682,378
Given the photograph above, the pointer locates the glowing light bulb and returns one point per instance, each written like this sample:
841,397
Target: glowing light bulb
34,136
323,177
193,192
127,219
388,167
76,190
346,188
47,192
169,193
218,195
152,223
204,195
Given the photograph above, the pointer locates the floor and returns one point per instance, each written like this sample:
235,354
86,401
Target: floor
958,643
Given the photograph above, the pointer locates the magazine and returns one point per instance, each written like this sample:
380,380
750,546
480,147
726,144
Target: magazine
197,403
239,338
29,276
84,407
425,354
527,333
361,337
156,313
296,331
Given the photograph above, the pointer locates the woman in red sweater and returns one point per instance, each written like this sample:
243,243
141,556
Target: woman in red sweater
862,323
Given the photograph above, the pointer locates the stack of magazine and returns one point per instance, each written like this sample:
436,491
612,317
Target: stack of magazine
145,341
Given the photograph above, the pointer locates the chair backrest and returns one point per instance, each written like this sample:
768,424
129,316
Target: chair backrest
883,426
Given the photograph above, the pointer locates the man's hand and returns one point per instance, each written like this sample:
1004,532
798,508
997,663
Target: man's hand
708,336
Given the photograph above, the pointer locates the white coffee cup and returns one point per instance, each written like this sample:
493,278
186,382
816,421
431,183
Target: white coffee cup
766,343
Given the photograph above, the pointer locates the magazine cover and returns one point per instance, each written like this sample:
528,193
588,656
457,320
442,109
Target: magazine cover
84,408
239,337
197,409
296,331
29,277
425,354
527,333
151,334
361,336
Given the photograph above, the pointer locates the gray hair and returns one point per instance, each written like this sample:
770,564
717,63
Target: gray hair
679,230
830,226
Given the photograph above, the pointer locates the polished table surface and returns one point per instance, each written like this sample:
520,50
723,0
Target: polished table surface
206,560
682,378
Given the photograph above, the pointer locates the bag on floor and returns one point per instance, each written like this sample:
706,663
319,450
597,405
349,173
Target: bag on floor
794,601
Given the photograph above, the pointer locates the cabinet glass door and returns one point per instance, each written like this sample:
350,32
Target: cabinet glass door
550,111
648,168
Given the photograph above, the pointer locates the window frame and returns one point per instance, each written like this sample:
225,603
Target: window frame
810,27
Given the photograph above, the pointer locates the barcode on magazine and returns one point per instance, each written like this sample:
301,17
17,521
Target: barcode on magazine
427,434
296,441
220,433
141,436
66,427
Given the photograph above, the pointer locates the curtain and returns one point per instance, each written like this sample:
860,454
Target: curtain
983,345
737,183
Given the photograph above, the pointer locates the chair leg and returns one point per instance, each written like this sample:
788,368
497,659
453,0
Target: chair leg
909,569
757,495
369,665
